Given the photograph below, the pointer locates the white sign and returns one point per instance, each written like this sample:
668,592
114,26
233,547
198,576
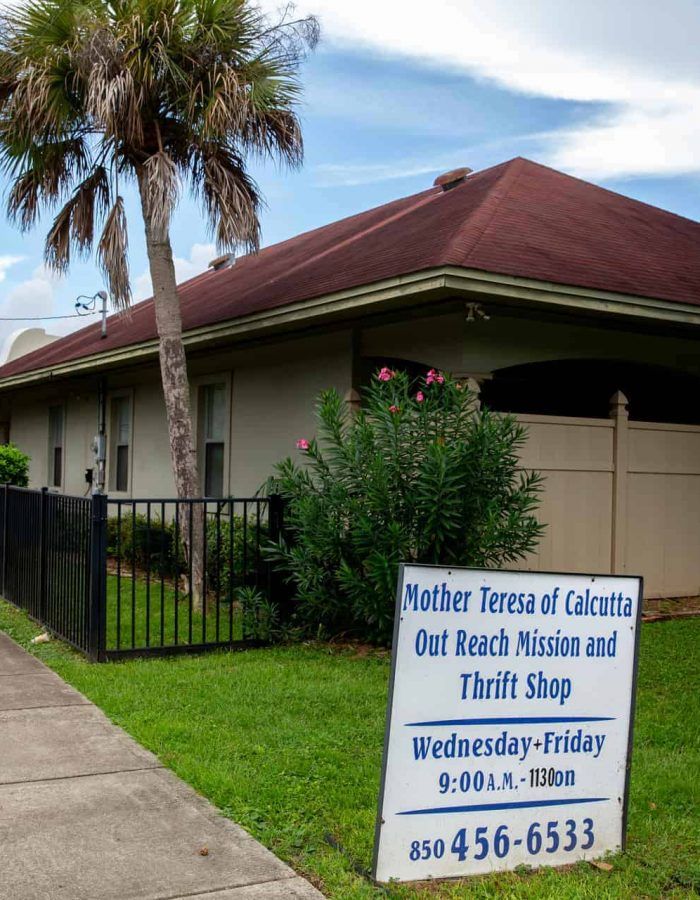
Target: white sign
510,718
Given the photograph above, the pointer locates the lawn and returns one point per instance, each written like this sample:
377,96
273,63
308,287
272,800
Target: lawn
287,741
142,613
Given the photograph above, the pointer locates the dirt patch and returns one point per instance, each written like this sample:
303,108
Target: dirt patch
660,608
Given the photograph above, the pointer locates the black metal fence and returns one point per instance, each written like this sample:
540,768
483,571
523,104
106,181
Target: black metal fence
124,577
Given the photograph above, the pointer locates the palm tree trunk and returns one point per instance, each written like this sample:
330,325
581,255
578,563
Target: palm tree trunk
176,388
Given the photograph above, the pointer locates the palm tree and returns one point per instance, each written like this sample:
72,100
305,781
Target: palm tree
166,93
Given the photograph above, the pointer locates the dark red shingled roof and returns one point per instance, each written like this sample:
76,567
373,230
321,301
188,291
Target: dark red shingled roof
518,218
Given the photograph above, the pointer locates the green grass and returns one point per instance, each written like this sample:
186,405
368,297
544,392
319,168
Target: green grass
287,741
142,613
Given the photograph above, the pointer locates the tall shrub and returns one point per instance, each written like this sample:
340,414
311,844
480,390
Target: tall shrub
14,466
421,474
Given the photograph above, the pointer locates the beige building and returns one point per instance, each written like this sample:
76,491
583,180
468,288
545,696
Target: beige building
572,307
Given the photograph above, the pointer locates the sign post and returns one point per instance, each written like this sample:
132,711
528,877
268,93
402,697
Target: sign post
509,728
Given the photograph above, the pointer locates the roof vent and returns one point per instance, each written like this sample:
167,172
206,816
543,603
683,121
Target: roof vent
451,179
223,262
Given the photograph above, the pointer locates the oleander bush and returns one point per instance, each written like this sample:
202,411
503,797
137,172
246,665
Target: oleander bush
14,466
420,474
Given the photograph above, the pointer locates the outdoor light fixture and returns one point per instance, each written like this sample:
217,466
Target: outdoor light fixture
476,311
89,304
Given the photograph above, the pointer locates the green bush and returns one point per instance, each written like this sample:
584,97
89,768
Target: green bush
260,615
243,548
129,538
419,475
232,559
14,466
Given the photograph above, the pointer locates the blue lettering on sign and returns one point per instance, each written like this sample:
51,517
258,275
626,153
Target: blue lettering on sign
439,598
605,605
539,687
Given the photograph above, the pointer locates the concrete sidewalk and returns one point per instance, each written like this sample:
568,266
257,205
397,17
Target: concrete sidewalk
88,814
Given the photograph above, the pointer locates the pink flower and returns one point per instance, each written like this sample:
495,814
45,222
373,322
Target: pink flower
302,444
394,409
434,375
420,396
385,374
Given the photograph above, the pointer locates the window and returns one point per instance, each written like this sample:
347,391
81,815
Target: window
212,437
121,439
56,414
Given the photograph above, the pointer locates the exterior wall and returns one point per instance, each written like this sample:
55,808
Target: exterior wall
29,429
272,396
450,342
150,455
619,497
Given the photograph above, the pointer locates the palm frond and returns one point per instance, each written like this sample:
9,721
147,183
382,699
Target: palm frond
57,245
112,255
46,172
75,223
114,100
91,204
231,200
162,91
161,188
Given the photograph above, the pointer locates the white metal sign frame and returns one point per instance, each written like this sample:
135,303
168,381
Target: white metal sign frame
446,809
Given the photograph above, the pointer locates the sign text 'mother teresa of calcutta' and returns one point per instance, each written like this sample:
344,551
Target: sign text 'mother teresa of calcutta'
527,642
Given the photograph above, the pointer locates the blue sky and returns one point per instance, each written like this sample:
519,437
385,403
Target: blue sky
394,97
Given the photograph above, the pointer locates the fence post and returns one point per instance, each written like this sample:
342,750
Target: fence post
97,607
276,516
620,416
4,537
279,591
43,569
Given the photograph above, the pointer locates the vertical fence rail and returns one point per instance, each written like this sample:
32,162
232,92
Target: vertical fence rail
117,577
164,595
97,623
46,541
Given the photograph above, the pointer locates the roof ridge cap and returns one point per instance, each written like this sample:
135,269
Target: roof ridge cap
510,174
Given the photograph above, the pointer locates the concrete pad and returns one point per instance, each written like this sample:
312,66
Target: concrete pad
16,661
135,835
62,742
291,889
32,691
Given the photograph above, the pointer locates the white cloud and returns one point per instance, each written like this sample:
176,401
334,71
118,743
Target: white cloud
199,258
640,59
335,174
6,262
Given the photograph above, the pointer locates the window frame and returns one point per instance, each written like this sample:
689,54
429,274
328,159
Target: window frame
198,386
113,445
